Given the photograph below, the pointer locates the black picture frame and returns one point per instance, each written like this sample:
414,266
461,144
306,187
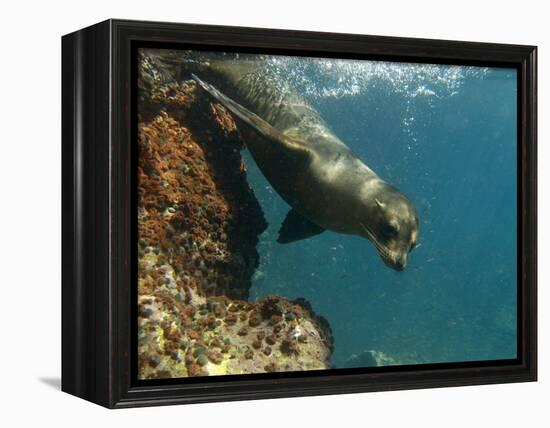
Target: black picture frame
99,193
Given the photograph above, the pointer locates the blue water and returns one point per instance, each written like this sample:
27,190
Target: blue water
446,137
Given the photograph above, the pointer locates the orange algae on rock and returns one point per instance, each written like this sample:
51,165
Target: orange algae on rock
198,227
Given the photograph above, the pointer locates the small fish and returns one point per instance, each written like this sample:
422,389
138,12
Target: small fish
431,259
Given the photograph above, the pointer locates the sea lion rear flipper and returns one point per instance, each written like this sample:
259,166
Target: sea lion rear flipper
253,120
296,227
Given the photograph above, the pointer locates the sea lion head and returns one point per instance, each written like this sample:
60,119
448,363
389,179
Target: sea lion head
390,222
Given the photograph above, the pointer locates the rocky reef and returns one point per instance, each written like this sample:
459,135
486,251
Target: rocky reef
369,358
198,227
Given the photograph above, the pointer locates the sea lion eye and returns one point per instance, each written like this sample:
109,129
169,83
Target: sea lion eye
394,225
391,228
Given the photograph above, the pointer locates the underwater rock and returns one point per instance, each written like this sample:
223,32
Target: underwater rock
364,359
371,358
198,226
176,341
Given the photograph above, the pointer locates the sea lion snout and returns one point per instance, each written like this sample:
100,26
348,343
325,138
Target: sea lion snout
398,264
399,267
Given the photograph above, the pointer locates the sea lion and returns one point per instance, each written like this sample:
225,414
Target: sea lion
327,186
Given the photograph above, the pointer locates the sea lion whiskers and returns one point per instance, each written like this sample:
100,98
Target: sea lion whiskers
385,252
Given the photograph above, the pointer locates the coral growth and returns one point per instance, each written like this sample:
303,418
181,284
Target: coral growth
198,226
178,339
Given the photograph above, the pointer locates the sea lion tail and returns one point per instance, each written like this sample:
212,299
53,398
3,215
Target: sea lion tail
238,110
298,149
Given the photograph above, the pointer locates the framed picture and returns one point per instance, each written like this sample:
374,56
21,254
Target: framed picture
253,213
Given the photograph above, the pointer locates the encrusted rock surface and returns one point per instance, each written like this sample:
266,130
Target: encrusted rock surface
198,226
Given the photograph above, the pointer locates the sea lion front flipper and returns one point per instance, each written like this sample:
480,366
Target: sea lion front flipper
296,227
253,120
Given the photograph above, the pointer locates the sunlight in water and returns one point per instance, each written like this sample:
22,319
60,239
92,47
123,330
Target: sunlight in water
326,78
341,78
